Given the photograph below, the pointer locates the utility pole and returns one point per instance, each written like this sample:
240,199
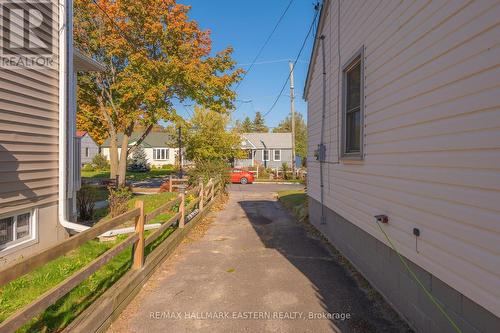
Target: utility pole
292,111
180,152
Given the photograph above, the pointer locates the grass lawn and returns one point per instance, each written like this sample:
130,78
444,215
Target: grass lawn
27,288
153,173
151,202
296,201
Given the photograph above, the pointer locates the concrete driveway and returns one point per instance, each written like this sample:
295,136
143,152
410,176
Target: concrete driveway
254,269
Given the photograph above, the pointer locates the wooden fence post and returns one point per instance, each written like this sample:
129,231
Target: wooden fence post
139,230
182,209
202,196
170,183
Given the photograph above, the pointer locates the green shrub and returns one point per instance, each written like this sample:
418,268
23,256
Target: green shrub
168,166
118,200
86,198
100,162
139,160
263,172
285,169
205,169
88,168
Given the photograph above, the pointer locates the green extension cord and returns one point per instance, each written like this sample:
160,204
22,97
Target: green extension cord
436,303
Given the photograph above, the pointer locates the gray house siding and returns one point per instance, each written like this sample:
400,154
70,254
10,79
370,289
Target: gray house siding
286,157
258,142
258,159
89,149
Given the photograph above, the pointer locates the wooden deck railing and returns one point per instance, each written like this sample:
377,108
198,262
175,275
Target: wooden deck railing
205,194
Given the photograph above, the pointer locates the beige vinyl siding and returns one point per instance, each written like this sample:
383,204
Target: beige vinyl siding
431,136
29,135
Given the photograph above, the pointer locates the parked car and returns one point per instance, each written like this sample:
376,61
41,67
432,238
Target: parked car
241,176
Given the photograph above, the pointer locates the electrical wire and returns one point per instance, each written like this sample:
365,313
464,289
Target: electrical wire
294,63
264,62
265,44
414,276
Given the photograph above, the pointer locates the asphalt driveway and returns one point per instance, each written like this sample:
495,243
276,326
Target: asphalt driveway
254,269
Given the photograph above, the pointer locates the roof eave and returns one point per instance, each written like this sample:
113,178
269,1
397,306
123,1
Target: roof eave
312,58
84,63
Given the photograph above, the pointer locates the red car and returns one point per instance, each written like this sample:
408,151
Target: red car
241,176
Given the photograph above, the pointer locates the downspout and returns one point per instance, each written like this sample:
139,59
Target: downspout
322,153
65,68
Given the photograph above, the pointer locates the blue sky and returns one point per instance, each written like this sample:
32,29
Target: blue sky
245,25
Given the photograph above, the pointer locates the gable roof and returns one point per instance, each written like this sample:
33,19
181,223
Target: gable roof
269,140
81,134
154,139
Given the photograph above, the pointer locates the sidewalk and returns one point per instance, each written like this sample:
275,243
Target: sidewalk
254,270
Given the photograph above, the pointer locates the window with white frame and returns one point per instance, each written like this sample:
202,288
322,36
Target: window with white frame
265,156
16,229
353,107
160,154
277,155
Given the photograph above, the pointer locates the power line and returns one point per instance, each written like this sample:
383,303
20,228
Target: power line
294,63
264,62
265,44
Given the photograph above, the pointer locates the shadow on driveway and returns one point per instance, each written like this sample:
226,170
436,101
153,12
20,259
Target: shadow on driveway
335,288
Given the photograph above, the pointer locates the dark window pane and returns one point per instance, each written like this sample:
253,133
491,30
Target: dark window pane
23,225
266,155
353,82
249,154
6,230
353,131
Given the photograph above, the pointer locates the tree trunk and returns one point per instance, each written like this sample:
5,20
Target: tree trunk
113,154
122,165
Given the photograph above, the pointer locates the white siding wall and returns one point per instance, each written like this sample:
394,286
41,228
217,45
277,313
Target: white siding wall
431,136
149,154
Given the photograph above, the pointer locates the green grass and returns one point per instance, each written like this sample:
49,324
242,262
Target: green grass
296,201
153,173
151,202
27,288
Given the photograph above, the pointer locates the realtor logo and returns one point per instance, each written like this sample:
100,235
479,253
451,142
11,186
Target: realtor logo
27,28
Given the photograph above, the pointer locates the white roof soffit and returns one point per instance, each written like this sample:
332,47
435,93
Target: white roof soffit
83,63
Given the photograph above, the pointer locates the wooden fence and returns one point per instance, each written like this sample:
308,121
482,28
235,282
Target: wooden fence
205,195
176,183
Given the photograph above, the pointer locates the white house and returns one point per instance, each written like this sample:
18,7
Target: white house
88,147
155,145
404,124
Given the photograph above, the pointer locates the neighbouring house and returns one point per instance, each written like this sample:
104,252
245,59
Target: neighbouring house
404,123
155,145
270,150
88,147
39,154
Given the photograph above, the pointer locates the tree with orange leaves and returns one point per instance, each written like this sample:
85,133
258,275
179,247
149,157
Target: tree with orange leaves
154,54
